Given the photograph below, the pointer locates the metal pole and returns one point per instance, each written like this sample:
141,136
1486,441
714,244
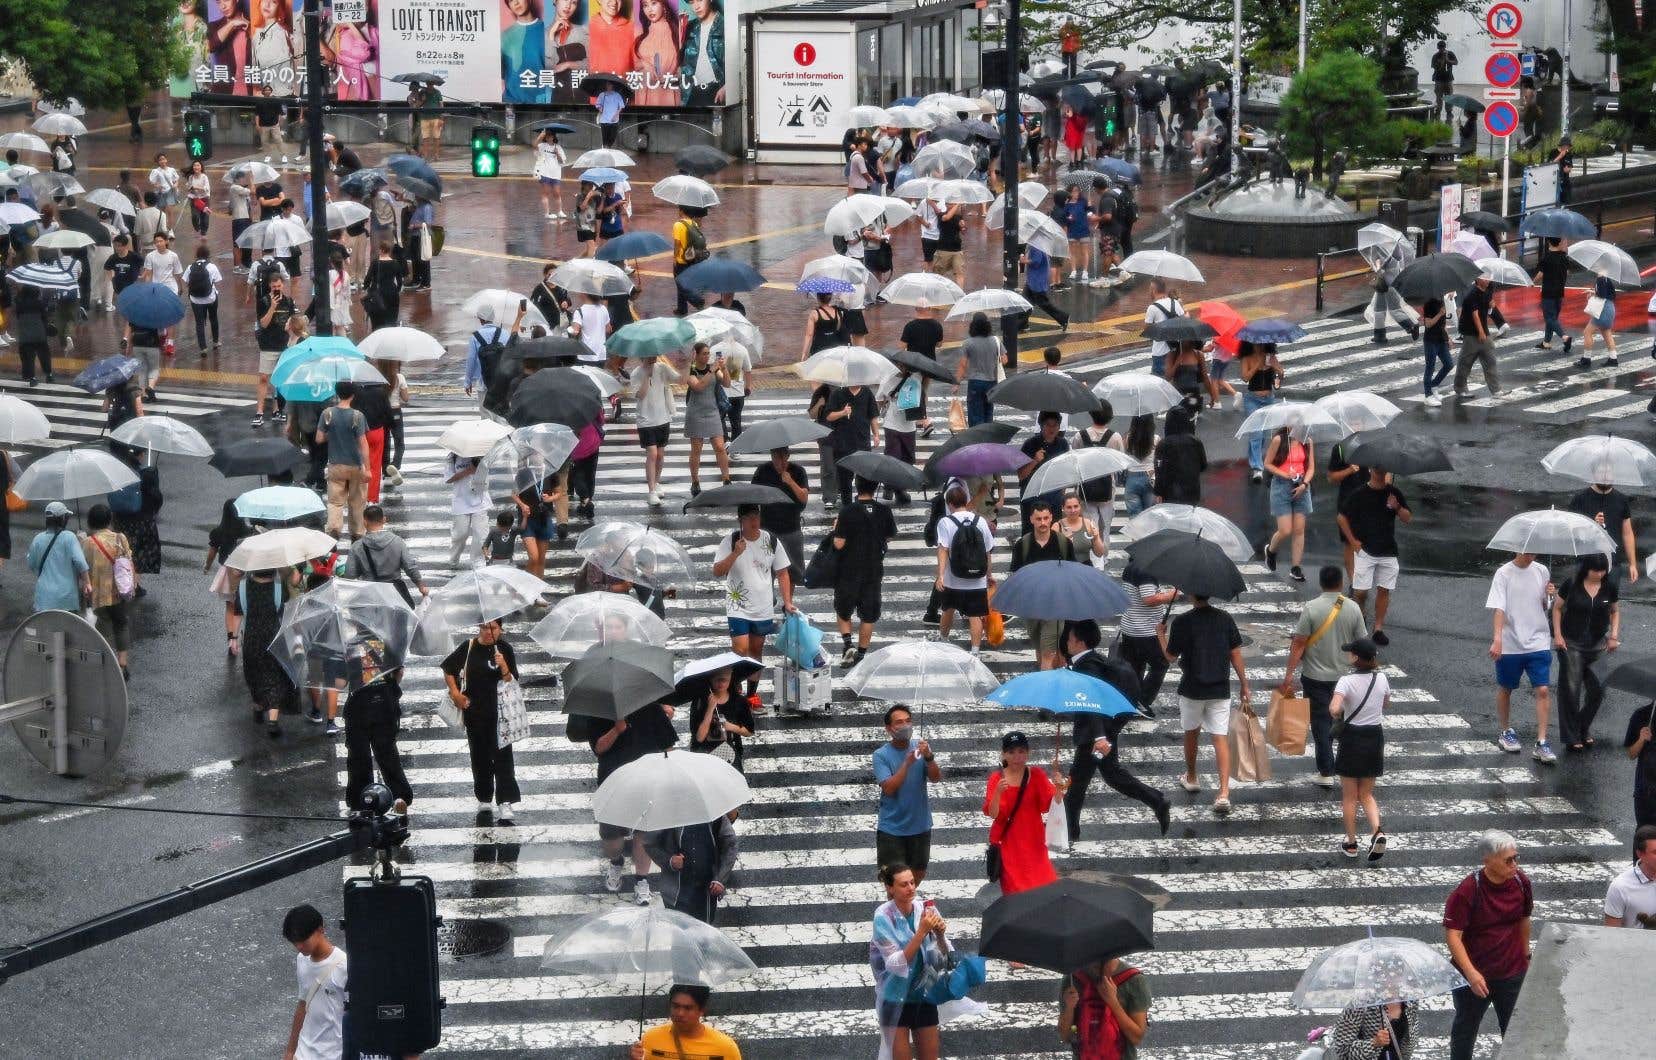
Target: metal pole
1009,177
1506,170
1236,89
60,705
315,89
1302,7
1564,93
1320,260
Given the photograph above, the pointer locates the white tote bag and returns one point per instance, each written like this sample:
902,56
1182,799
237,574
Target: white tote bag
512,716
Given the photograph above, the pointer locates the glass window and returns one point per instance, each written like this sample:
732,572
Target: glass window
920,40
946,73
971,74
869,89
891,62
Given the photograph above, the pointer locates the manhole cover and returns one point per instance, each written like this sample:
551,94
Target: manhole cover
459,939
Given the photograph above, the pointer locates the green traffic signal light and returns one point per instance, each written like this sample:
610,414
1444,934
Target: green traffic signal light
485,145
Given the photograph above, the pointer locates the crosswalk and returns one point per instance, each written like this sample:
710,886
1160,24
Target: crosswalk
1252,898
78,418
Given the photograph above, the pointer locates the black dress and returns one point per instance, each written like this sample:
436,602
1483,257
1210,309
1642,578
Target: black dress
140,528
267,682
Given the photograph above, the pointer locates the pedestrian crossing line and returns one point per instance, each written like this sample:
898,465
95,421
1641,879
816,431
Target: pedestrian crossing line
1576,401
1632,408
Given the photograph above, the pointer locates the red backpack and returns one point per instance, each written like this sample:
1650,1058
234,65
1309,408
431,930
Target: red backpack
1099,1032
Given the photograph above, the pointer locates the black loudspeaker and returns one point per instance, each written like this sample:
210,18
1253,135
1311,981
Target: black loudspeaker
993,70
1393,212
392,1005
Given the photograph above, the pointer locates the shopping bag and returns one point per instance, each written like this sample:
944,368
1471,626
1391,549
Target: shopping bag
1288,722
968,973
801,642
824,566
994,628
1249,759
957,414
512,715
1057,828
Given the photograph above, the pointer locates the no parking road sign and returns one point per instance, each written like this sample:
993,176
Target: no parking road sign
1503,70
1501,119
1504,20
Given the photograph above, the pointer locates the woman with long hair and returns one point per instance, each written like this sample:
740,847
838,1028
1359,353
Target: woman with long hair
568,40
908,951
355,46
474,672
222,540
198,188
227,40
719,719
261,595
523,53
1141,446
702,62
1292,464
549,163
1360,699
656,55
824,327
273,53
1261,375
102,547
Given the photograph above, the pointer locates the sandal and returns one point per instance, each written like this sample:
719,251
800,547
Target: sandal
1377,846
1349,848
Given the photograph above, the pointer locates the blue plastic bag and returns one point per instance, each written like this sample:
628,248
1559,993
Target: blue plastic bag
967,975
801,642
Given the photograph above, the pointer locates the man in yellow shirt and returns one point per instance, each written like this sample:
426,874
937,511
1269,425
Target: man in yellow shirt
685,1036
689,247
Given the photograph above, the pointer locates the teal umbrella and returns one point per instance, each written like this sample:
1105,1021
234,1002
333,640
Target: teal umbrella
313,378
651,338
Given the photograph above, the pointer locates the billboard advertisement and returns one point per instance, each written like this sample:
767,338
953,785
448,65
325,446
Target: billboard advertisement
531,52
803,86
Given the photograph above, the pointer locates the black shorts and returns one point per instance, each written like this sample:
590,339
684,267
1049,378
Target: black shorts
862,596
612,831
855,323
973,603
911,850
917,1015
928,247
654,436
585,235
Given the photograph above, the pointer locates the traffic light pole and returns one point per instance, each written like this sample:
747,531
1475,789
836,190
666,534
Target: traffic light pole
1009,177
315,92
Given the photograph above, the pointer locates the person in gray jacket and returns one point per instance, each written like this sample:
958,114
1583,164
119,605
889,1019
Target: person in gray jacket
381,556
696,864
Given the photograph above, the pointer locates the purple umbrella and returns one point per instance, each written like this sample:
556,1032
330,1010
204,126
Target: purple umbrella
824,285
982,458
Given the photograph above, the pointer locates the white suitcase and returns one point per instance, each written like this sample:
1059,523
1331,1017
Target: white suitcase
801,691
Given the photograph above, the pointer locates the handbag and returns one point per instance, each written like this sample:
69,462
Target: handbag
1287,723
1595,309
967,974
994,626
1057,827
1247,746
993,856
823,569
445,706
512,715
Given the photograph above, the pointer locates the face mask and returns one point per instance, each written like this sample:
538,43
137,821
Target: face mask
903,732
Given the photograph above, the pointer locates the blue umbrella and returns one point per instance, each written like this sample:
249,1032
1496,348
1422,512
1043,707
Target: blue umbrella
634,245
150,305
416,167
720,274
364,182
314,347
109,372
278,504
313,378
1558,224
1271,329
824,285
1062,691
1061,590
1115,167
558,127
603,175
905,101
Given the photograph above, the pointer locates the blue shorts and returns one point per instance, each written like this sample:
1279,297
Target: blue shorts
1283,501
747,627
1511,667
550,182
541,527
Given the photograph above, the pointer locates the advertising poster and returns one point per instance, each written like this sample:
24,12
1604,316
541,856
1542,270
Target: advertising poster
802,84
457,39
240,46
672,52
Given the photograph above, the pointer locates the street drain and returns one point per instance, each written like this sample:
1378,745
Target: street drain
460,938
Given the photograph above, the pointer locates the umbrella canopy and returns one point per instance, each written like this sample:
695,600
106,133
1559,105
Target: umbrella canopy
669,790
603,175
920,364
692,680
1085,178
612,680
1604,460
362,183
845,366
684,190
400,344
50,186
1375,971
779,433
603,156
717,325
866,117
597,83
346,213
1558,224
17,213
556,395
903,116
1273,330
49,277
1464,103
483,594
274,549
1484,221
1606,259
579,622
920,671
312,378
111,200
944,160
346,629
1469,244
545,348
591,276
1163,263
500,306
1434,276
1077,466
982,458
21,423
855,212
1399,453
77,220
633,552
651,337
1180,329
258,172
632,245
1137,394
279,504
1189,563
109,372
472,438
965,192
1040,391
1358,410
1034,228
736,494
991,302
1205,523
1118,169
926,290
1303,420
1629,673
992,431
1224,321
66,239
824,285
1505,272
256,456
720,275
150,305
1060,590
71,473
1060,691
278,233
701,160
646,948
22,141
162,434
545,444
1067,925
59,123
839,267
886,470
1547,533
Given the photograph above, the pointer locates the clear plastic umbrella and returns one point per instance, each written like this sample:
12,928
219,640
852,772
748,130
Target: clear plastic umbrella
111,200
990,301
545,445
923,289
21,423
481,595
1137,394
915,188
1552,533
944,160
633,552
590,276
1203,522
1375,971
275,549
684,190
1303,420
716,324
846,366
906,117
1470,245
162,434
500,306
856,212
346,213
1359,410
1603,460
473,438
840,267
1038,230
1606,259
866,116
1504,271
607,384
920,671
1031,194
60,123
344,634
400,344
278,233
603,156
1378,243
1163,263
674,789
258,172
579,622
71,473
22,141
965,192
1078,466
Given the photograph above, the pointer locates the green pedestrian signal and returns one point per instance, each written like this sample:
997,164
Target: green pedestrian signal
485,149
1109,126
198,134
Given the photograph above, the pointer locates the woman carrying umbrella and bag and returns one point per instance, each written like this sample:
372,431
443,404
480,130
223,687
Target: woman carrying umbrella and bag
696,861
908,951
476,673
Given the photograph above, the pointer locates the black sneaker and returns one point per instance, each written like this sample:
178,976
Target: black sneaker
1270,557
1611,362
930,620
1568,342
695,489
1295,573
1584,363
315,716
1379,637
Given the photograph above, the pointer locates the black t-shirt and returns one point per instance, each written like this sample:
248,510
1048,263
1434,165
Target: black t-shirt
270,189
1372,523
1351,483
347,162
1585,621
124,269
1035,443
1202,638
1440,330
1180,461
948,233
866,527
1644,769
923,336
267,111
780,518
272,337
373,400
1613,506
1474,307
1555,269
146,337
481,680
386,278
1106,208
734,710
852,434
1027,550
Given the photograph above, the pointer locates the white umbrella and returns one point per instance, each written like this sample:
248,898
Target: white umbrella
18,171
1078,466
17,213
644,948
1203,522
1375,971
991,301
965,192
838,267
347,212
1505,272
945,160
1137,394
472,438
400,344
71,473
867,117
59,125
922,289
674,789
21,423
483,594
1606,259
1163,263
54,186
608,386
111,200
684,190
260,172
603,156
907,117
846,366
68,106
728,326
1036,229
500,306
916,188
1603,460
1469,244
1379,236
578,622
1359,410
67,239
1550,533
920,671
636,553
855,212
1303,420
591,276
162,434
278,233
275,549
22,141
950,103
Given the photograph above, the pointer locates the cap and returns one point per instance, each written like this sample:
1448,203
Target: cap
1363,648
58,509
1013,740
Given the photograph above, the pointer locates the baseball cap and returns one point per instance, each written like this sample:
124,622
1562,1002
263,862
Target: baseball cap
1363,648
58,509
1014,739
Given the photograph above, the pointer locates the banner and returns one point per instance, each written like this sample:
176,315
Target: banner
241,46
802,84
457,39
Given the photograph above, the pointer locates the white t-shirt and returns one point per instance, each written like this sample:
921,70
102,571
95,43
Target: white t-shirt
165,268
594,319
749,592
241,202
1522,593
1354,687
1157,311
322,1035
928,219
654,400
1631,893
471,494
946,528
213,274
549,161
894,418
163,179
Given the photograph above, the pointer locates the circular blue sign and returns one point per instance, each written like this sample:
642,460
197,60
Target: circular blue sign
1501,118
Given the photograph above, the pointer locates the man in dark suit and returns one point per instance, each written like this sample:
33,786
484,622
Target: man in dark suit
1096,737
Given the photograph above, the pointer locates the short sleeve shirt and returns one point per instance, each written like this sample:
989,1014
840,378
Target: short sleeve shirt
907,812
923,335
1488,917
959,522
322,1033
1521,593
1365,697
749,593
344,428
1203,638
780,518
1374,524
1613,506
1632,895
1324,661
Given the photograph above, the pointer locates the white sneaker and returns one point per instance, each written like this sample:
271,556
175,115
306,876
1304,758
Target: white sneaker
1083,275
1323,780
655,500
484,807
551,217
503,812
1433,401
641,891
612,875
1072,275
1236,401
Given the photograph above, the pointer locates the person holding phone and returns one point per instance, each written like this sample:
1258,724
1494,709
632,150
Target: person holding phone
474,673
909,939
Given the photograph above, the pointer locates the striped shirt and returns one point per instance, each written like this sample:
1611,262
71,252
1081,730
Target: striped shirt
1141,619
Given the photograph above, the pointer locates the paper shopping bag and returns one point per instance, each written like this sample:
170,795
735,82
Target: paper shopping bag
1288,722
1249,759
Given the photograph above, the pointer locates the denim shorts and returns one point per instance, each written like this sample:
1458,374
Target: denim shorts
1511,668
747,627
1283,501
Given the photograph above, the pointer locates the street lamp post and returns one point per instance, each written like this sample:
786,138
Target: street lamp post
1236,89
1009,177
315,89
1564,93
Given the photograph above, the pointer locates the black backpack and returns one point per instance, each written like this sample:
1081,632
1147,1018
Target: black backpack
200,284
489,352
1098,490
968,558
264,271
935,515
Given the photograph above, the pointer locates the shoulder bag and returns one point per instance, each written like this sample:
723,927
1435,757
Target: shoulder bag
445,706
993,856
1347,715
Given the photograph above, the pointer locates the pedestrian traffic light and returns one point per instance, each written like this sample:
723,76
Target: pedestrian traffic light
198,134
1109,127
485,144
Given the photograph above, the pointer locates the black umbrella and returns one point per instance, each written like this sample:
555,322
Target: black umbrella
735,494
78,220
419,78
955,130
593,84
992,431
1399,453
364,182
886,470
1190,563
1484,221
920,364
510,365
1067,925
616,679
1464,103
1629,673
693,682
1434,276
1190,329
257,456
1040,391
779,433
701,160
421,189
1079,99
556,395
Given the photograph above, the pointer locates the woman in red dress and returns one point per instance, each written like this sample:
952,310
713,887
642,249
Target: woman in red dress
1019,828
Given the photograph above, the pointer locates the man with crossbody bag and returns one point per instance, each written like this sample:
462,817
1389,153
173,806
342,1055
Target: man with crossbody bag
318,1031
1105,1011
1328,621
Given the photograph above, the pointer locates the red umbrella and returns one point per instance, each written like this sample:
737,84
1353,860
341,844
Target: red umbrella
1226,321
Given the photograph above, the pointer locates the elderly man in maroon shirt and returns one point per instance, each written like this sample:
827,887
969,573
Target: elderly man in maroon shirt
1487,923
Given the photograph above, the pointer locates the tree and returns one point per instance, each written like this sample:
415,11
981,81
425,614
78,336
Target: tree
104,54
1335,104
1633,38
